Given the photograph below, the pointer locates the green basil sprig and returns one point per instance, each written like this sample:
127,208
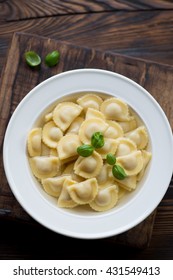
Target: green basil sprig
85,150
97,140
118,172
32,58
111,159
52,58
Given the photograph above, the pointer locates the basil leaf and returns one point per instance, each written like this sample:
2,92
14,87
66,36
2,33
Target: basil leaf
97,140
32,58
52,58
85,150
111,159
118,172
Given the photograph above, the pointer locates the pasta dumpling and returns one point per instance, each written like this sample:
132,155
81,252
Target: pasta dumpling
129,183
69,170
105,199
89,127
65,199
48,117
90,101
121,192
67,146
53,185
129,125
125,147
93,113
65,113
104,178
51,134
88,167
75,125
115,109
131,163
139,136
114,130
84,192
34,142
146,156
45,150
89,150
44,166
53,152
110,146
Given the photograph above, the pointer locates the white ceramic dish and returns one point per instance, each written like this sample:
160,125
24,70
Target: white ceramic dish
84,224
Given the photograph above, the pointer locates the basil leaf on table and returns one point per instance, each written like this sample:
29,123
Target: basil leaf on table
52,58
32,58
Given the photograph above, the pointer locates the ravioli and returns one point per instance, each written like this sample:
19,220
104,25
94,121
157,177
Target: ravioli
93,113
34,142
48,117
53,186
89,127
69,170
45,150
114,130
75,125
51,134
44,166
125,147
131,163
146,157
105,178
110,146
106,199
90,101
121,192
88,167
129,183
64,199
65,113
115,109
86,177
139,136
129,125
67,146
53,152
84,192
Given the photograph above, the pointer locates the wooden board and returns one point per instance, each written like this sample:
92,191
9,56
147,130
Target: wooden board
15,10
135,33
18,79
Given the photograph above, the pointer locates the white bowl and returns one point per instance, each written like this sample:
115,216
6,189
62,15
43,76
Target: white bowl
86,224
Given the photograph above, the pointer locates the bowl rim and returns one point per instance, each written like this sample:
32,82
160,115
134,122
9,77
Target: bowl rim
66,76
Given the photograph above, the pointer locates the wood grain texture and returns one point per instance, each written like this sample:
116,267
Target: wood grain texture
137,28
15,246
156,78
147,35
12,10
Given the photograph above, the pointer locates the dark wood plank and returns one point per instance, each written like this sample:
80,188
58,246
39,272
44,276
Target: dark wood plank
23,241
150,75
147,35
146,44
11,10
127,66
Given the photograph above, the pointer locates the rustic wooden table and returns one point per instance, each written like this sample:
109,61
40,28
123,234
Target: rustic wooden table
141,29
